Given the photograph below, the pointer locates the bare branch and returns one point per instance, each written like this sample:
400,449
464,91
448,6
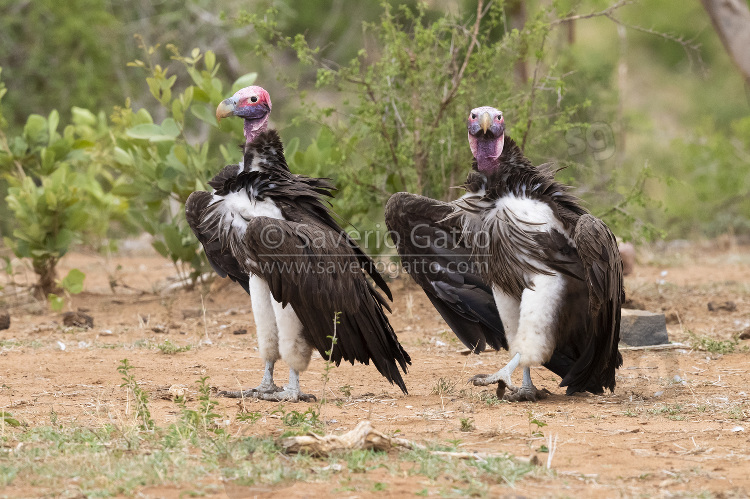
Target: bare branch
606,12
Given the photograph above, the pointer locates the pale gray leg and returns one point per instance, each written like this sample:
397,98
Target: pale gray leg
502,377
291,391
266,386
527,391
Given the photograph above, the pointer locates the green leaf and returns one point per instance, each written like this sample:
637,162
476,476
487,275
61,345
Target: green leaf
9,419
204,114
73,282
244,81
210,60
35,130
152,133
56,303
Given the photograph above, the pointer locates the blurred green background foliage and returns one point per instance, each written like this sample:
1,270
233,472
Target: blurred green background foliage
107,109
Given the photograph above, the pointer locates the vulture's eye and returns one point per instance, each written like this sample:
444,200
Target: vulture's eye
498,118
253,99
473,116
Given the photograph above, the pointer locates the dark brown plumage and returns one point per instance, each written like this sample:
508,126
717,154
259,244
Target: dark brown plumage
534,248
264,221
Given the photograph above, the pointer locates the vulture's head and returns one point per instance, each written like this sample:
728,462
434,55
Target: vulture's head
486,136
253,104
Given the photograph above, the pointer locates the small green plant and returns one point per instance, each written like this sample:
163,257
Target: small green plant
72,284
251,416
300,423
140,397
467,424
203,418
444,387
7,419
169,348
534,422
346,391
711,345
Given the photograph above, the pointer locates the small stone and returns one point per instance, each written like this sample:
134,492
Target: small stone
642,328
239,331
725,306
4,321
159,329
78,319
659,393
745,335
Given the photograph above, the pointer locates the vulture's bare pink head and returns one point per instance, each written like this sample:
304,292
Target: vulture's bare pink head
486,127
253,104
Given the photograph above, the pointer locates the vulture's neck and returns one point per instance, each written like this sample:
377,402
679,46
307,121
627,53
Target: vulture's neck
253,128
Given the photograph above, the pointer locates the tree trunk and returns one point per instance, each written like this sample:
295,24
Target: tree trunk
47,272
731,19
517,15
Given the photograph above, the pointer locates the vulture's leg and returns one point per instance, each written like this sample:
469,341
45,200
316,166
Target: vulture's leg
266,386
502,377
294,350
527,391
268,338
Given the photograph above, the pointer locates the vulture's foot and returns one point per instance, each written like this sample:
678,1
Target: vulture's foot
287,395
251,392
500,377
523,393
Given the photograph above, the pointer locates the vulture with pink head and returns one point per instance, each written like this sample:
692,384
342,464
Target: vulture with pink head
273,232
517,263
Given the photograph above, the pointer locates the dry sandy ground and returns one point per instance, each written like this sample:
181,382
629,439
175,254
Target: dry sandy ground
678,423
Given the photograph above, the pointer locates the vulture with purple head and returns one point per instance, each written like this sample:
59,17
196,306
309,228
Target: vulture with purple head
272,232
517,263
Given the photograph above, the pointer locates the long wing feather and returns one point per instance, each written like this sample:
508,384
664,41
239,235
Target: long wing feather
310,267
597,249
433,253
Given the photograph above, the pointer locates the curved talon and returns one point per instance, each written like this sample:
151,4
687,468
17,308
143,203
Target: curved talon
480,380
287,396
500,391
250,392
523,394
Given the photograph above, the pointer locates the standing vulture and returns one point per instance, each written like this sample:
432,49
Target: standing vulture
273,233
517,263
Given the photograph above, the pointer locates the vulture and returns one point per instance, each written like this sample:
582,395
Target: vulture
517,263
273,232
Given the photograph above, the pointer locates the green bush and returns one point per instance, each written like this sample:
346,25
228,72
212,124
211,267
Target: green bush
55,190
163,163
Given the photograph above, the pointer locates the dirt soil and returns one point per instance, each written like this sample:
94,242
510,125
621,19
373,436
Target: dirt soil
678,423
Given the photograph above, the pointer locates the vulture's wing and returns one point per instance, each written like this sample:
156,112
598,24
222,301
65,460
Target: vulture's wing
316,271
433,253
219,255
597,249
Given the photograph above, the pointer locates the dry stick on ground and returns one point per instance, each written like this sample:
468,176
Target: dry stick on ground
364,436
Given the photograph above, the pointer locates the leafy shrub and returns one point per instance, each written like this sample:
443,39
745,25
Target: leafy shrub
58,194
165,162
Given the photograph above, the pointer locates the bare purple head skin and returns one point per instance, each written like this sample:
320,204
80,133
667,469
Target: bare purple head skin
253,104
486,127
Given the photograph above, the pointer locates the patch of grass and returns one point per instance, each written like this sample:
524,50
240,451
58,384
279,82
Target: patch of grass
71,460
444,387
672,412
300,423
170,348
711,345
467,424
142,412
